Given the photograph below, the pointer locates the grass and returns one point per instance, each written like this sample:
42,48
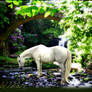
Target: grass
12,62
8,62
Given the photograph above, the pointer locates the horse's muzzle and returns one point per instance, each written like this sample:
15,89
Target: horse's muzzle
21,68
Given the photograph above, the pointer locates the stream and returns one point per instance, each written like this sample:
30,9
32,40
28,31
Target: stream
16,78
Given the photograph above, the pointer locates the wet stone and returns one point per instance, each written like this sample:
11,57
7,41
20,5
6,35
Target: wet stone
57,74
12,73
30,84
70,77
6,71
4,76
16,73
35,72
82,84
11,77
26,83
48,79
77,74
87,85
58,79
90,82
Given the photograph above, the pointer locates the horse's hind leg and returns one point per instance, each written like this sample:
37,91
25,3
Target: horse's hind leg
39,67
62,67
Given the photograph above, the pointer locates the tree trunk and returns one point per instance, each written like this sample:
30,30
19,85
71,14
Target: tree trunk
4,48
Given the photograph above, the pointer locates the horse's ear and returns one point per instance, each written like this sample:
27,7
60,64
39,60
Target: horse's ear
18,55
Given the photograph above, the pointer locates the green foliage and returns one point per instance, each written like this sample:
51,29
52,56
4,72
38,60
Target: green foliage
15,2
8,60
3,18
49,65
41,33
77,19
33,8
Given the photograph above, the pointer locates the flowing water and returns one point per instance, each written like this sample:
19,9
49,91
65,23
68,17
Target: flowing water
16,78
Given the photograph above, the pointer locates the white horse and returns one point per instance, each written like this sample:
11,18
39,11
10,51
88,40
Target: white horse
42,54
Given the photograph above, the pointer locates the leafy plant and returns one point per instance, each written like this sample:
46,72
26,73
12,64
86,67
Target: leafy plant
3,18
41,33
16,41
77,19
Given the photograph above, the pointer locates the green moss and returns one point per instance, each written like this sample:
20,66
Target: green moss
86,79
8,62
49,65
8,59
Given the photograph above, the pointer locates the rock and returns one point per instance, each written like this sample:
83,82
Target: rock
16,73
11,77
26,82
90,82
22,76
58,79
87,85
82,85
4,76
57,74
30,84
12,73
29,75
35,72
70,77
50,80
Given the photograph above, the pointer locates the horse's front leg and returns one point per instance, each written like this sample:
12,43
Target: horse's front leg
39,67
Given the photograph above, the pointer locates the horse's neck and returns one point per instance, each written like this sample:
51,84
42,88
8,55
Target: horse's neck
28,53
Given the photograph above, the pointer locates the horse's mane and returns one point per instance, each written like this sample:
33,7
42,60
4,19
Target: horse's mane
30,49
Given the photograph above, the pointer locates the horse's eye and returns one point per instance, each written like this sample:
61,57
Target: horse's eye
19,60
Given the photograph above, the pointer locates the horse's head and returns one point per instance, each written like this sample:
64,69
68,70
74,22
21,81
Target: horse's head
20,62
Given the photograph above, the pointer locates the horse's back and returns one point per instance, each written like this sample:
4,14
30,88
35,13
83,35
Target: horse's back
60,53
43,50
45,53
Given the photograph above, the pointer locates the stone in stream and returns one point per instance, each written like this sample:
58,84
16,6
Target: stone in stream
22,76
87,85
27,83
11,77
57,74
12,73
52,79
90,82
4,76
16,73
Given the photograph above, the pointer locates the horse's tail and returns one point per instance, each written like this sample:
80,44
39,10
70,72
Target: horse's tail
67,65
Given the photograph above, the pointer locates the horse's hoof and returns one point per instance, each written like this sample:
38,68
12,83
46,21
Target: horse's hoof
64,83
21,68
39,76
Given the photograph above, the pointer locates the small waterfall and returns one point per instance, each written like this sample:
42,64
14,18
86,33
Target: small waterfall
58,42
63,42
